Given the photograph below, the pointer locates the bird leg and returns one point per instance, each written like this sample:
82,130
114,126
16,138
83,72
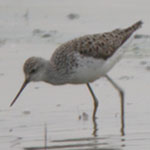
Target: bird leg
121,93
95,100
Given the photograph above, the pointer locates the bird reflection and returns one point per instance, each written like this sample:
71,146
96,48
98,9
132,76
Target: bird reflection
122,111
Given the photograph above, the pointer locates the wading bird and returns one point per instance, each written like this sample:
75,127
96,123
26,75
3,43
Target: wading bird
81,61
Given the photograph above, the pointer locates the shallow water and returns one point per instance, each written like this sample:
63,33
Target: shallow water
60,117
66,111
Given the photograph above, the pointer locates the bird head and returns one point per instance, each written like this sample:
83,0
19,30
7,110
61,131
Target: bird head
33,70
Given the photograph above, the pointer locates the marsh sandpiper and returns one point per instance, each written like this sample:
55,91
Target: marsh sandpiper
81,61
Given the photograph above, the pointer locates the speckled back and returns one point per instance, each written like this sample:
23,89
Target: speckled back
95,45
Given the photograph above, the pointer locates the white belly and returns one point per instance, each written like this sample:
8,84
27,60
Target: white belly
88,70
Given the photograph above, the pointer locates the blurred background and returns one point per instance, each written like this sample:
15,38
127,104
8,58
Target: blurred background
36,28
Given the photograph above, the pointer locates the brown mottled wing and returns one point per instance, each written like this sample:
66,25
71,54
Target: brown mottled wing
104,45
96,45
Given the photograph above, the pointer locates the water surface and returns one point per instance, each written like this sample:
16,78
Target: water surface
60,117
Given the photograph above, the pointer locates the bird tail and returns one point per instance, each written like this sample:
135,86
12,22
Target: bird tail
134,27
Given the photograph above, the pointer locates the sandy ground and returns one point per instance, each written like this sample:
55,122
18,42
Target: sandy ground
36,28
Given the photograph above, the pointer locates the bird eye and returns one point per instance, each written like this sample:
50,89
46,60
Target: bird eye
33,71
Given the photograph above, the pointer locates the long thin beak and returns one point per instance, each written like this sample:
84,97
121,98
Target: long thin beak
21,89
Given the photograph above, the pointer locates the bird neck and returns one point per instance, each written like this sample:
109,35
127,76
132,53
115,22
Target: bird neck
52,75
